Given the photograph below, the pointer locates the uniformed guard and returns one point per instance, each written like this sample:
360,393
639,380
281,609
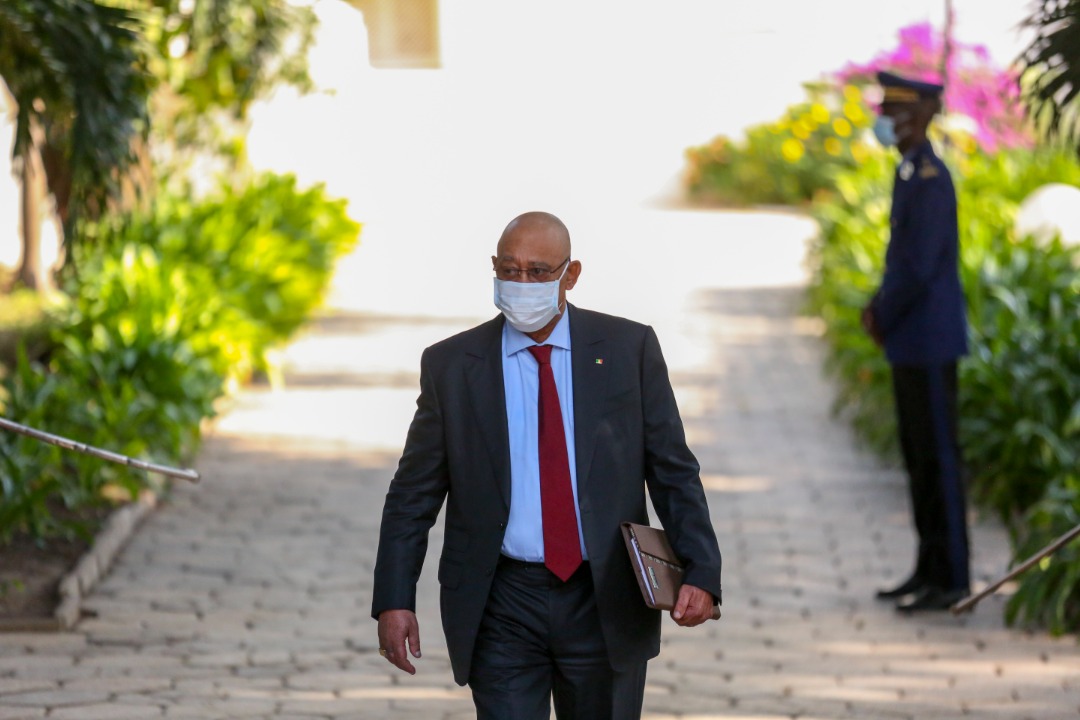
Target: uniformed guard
917,315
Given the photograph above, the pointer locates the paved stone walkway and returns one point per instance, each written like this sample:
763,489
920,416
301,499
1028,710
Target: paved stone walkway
247,596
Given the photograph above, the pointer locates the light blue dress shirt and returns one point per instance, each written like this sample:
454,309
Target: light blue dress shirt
524,538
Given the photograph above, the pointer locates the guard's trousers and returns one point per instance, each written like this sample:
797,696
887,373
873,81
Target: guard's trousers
926,408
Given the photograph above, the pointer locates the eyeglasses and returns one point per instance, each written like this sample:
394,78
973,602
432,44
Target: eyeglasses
536,273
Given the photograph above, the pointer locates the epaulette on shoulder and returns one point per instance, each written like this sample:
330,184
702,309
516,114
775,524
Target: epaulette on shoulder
927,169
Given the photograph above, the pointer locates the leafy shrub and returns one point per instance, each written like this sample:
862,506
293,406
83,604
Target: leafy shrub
244,268
1021,405
788,161
130,391
169,306
1050,597
1021,409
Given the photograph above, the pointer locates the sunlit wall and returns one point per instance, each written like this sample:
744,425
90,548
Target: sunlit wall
564,104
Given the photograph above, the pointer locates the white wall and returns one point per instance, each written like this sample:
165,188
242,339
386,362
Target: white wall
580,108
563,102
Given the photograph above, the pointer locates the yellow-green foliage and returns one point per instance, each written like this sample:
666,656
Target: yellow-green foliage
167,308
789,161
23,319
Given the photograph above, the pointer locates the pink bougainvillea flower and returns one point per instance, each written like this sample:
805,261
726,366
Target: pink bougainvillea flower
974,86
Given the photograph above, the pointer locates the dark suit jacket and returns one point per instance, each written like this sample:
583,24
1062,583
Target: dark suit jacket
919,308
627,434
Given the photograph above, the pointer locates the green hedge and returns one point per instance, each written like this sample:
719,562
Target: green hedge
169,307
1020,386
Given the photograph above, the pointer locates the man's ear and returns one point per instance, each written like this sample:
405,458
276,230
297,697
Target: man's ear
573,272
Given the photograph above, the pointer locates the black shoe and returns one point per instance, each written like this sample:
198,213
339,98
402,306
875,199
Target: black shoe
911,585
932,598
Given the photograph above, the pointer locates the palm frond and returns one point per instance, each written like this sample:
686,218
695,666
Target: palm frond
75,69
1051,69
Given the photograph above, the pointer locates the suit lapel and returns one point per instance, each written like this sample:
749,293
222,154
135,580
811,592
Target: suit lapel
487,396
590,386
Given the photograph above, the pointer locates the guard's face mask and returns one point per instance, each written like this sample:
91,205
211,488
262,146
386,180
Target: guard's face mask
891,129
885,130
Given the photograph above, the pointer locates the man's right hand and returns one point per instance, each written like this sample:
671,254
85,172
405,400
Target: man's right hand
396,627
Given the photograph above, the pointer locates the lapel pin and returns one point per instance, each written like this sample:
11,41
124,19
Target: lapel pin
599,361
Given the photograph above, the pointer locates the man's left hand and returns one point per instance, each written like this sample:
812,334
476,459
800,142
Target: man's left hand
870,326
693,607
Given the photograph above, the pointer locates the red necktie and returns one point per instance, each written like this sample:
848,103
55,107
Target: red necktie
562,549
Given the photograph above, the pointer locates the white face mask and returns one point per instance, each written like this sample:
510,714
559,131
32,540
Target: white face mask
528,306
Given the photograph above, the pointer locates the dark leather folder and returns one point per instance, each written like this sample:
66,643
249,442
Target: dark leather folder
658,570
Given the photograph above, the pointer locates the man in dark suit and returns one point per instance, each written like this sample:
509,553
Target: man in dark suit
918,315
541,429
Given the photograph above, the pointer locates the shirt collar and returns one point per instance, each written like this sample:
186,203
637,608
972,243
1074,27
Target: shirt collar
515,340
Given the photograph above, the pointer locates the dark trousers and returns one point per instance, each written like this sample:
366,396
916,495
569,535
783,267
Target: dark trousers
540,640
927,422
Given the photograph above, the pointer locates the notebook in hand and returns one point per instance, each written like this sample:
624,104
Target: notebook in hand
658,570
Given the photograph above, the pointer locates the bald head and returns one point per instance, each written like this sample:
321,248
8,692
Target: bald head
542,227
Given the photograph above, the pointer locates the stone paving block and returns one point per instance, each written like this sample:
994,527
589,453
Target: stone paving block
221,708
195,687
463,714
377,710
119,685
264,672
230,659
12,685
1045,713
19,713
87,573
141,664
25,663
228,685
274,657
56,698
691,702
108,711
429,707
328,704
41,643
334,681
58,672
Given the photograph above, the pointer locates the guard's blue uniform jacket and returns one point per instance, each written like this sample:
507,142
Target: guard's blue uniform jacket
919,309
